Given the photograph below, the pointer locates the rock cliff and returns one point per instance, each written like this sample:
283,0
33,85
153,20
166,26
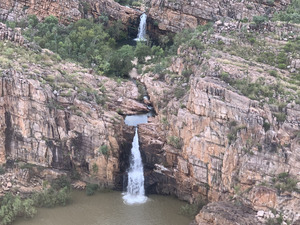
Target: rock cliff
174,16
68,10
228,110
55,114
216,138
164,16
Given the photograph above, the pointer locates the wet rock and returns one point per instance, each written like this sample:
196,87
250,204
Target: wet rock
226,213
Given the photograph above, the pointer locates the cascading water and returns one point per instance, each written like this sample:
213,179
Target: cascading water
142,28
135,189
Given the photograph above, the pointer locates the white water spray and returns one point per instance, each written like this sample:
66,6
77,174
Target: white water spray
142,28
135,189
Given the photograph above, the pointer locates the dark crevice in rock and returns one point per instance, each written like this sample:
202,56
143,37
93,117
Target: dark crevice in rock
125,150
67,123
8,133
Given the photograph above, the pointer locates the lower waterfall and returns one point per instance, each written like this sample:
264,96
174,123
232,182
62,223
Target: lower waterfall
135,189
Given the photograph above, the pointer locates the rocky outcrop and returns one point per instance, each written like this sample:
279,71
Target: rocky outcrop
211,141
68,10
227,214
11,35
57,115
173,16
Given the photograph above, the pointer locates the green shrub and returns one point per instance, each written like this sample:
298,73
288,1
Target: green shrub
187,73
281,116
174,141
266,126
234,129
104,150
136,4
258,20
51,197
95,168
292,13
284,182
225,77
121,61
13,207
91,189
141,51
196,43
273,73
270,2
61,182
179,92
191,210
282,66
2,170
275,221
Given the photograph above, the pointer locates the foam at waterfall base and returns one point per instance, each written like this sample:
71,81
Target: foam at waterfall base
130,199
140,39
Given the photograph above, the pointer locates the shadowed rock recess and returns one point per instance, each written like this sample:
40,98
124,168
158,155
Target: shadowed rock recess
227,123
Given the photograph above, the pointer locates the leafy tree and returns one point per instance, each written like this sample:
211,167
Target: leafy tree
116,31
141,51
121,61
291,14
157,51
259,20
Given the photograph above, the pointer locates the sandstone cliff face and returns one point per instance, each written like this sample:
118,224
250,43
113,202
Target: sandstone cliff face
211,141
179,14
227,214
67,10
57,115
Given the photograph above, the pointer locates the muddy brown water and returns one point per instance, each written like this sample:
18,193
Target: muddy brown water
108,209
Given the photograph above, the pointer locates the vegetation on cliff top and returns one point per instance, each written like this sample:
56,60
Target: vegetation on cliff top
291,14
90,42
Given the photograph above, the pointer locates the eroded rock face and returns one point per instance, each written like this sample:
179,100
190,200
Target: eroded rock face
62,117
11,35
227,214
210,141
67,10
174,16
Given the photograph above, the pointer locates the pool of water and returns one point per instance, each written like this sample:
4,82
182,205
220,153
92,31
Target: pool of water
134,120
109,209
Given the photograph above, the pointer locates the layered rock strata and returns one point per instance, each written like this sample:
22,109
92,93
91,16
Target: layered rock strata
54,114
67,10
210,141
174,16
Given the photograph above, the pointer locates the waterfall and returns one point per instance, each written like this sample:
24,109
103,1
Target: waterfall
142,28
135,188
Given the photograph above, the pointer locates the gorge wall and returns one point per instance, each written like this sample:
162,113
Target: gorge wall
169,16
68,10
57,115
164,16
211,141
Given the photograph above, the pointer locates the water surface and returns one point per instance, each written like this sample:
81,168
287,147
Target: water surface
134,120
109,209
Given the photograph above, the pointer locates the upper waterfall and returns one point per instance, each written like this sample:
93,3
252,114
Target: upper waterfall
142,28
